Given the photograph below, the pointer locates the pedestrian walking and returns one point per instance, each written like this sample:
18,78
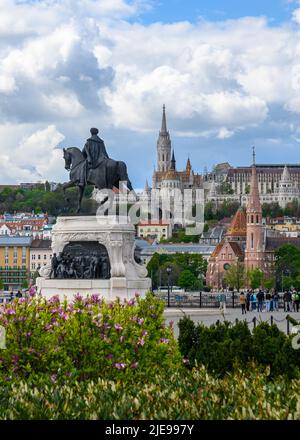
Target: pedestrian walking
243,301
260,300
248,300
286,303
268,301
276,301
297,301
254,301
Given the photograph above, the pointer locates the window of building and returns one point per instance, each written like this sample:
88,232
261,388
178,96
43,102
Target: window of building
33,257
45,257
39,257
252,240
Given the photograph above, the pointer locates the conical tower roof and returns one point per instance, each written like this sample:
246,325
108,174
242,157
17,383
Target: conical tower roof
238,226
188,166
254,204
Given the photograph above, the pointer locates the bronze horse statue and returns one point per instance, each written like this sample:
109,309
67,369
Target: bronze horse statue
106,175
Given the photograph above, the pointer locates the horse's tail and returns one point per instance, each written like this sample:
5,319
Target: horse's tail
123,175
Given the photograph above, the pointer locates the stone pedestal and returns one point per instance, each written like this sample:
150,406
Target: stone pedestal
127,277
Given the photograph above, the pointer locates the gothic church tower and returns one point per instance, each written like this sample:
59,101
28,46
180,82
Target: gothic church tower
254,253
164,146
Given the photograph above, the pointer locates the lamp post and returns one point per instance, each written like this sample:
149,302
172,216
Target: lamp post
169,271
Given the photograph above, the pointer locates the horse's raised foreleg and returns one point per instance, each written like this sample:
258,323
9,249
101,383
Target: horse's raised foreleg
67,186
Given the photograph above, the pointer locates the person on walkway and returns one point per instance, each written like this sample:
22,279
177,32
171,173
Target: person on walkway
222,300
271,301
286,303
243,301
260,300
276,301
268,301
248,296
290,300
297,301
294,300
254,301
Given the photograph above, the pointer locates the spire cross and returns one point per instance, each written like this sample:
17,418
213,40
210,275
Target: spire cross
254,155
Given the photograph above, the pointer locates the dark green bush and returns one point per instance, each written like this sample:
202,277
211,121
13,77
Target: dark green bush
221,348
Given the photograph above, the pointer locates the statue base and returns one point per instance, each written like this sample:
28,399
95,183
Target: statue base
117,235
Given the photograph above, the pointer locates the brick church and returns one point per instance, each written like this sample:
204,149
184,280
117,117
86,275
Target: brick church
246,240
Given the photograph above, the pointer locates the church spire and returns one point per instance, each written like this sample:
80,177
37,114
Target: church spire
164,146
188,167
164,121
173,162
254,204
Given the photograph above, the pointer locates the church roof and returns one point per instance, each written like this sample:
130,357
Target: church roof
238,252
238,226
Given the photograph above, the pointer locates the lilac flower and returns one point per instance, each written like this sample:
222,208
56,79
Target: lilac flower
141,342
186,361
54,300
163,326
78,298
64,316
10,312
32,292
109,356
120,366
141,321
133,318
122,339
134,365
53,378
171,323
95,298
144,333
164,341
28,335
118,327
15,359
131,302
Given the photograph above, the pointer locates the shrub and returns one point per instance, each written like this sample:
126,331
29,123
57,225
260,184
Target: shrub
221,348
86,339
174,395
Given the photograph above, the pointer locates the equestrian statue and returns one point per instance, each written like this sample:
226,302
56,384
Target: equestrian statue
92,166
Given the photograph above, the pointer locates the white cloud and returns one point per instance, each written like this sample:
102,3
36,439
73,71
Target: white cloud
68,64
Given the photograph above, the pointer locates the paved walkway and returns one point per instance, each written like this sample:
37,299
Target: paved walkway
211,316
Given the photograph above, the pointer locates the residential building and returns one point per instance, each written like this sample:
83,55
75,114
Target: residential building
14,261
40,254
154,230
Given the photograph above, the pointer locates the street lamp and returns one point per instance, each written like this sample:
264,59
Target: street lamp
169,271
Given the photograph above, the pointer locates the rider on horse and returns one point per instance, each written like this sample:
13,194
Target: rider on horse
95,154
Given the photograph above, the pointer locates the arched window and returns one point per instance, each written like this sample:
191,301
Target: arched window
252,219
257,219
252,240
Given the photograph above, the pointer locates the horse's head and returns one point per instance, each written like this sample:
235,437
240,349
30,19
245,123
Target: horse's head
68,159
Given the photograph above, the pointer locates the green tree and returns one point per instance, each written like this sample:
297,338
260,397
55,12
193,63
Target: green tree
25,284
225,188
287,266
235,276
1,284
187,279
269,283
255,277
247,189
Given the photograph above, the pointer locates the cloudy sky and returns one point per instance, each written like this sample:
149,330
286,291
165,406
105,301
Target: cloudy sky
228,72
